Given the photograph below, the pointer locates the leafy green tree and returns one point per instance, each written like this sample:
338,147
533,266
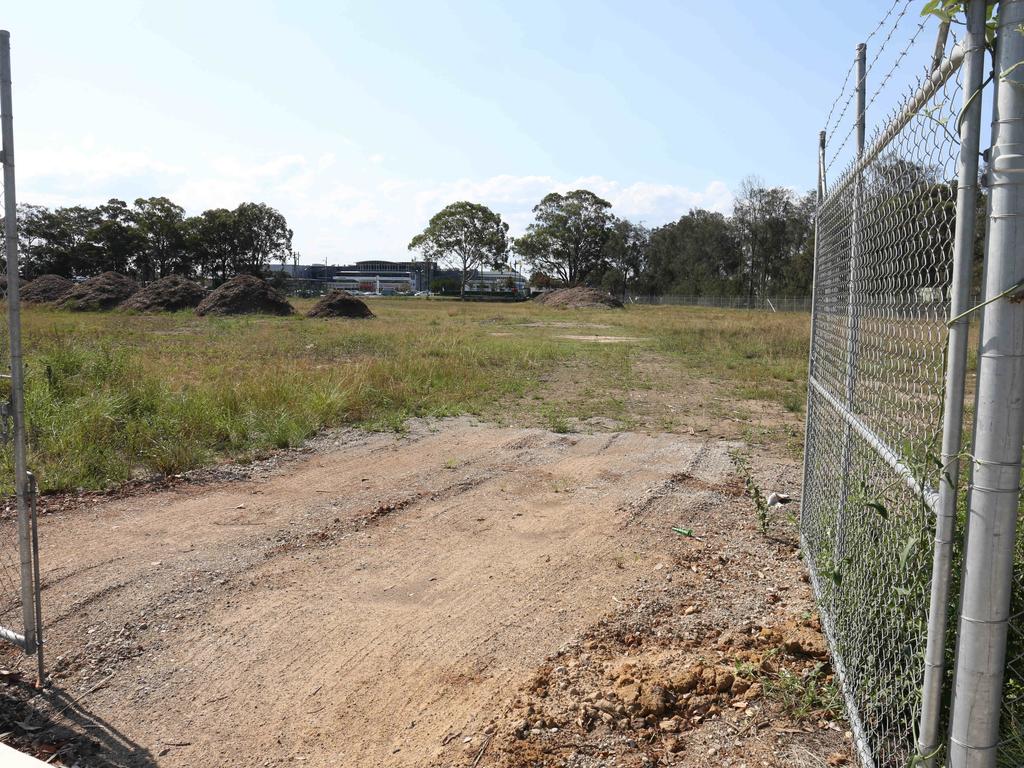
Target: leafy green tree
161,227
117,237
466,236
568,235
763,218
261,236
32,235
211,242
697,255
625,254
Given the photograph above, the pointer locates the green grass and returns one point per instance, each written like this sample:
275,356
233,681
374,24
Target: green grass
112,396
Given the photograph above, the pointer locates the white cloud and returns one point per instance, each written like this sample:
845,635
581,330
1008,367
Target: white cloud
86,163
340,209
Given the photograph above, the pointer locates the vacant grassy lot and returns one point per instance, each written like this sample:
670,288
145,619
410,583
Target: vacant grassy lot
114,396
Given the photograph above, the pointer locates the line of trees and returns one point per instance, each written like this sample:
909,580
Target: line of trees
151,238
764,249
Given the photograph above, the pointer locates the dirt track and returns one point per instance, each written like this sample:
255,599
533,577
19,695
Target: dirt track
358,607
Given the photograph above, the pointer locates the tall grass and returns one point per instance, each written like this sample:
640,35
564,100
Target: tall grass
112,396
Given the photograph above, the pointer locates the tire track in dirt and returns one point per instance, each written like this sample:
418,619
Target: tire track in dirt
369,645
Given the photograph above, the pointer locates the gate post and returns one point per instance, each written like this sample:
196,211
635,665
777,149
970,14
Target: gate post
999,430
929,737
14,321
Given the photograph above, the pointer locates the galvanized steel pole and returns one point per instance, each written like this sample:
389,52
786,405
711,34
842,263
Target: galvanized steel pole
929,734
862,61
14,321
999,437
810,351
852,319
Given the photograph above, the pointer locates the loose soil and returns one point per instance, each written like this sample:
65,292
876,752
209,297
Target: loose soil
340,303
595,339
99,293
45,289
579,297
168,294
458,595
245,295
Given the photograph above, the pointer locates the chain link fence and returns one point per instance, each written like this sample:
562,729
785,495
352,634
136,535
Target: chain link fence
884,263
883,524
770,304
10,559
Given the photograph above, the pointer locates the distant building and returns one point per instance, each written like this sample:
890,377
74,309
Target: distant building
376,276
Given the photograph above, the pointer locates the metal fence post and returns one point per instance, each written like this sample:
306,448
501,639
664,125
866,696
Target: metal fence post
999,431
852,320
809,406
929,737
14,321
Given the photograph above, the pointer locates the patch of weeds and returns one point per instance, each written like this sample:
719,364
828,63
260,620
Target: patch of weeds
753,490
810,695
793,402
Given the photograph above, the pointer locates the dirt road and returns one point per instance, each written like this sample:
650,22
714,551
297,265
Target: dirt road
358,607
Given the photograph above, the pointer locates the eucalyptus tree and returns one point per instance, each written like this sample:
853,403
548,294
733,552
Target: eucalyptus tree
464,236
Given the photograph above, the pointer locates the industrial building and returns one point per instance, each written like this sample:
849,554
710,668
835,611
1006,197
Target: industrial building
385,277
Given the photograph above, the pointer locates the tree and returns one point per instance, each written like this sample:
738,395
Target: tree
211,240
763,217
161,228
624,253
116,236
32,235
697,255
261,236
568,236
465,235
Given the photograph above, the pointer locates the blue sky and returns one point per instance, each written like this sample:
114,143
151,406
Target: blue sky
360,120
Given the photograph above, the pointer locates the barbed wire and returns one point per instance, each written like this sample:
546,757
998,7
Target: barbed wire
881,85
849,71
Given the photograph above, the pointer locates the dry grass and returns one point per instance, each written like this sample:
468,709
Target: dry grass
111,396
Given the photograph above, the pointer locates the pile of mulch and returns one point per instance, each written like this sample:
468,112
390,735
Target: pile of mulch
340,303
245,295
102,292
168,294
580,297
45,289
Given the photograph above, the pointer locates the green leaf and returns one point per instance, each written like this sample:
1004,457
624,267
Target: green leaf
879,508
907,551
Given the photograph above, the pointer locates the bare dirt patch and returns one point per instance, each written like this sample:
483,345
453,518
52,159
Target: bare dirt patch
379,602
600,339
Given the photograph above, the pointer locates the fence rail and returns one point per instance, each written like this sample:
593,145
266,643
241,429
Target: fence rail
883,521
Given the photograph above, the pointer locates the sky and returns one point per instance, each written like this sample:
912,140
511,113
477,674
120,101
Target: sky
360,120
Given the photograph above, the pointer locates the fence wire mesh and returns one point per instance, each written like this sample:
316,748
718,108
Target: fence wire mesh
1012,750
881,301
10,558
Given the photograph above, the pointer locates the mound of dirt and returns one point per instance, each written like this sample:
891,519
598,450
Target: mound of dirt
580,297
340,303
99,293
245,295
45,289
168,294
